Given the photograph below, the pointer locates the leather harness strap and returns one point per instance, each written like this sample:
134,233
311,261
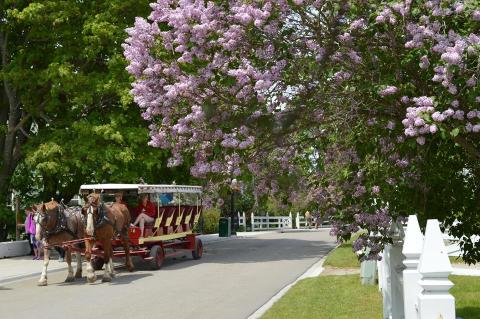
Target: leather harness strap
60,223
101,219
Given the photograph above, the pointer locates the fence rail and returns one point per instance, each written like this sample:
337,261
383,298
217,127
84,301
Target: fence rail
267,222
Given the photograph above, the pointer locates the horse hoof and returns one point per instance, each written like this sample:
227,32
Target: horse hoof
91,279
70,279
106,279
113,275
42,283
78,275
130,268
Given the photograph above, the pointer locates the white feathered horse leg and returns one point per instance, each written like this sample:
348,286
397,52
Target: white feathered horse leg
43,276
78,273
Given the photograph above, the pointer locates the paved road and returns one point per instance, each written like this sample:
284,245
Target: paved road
232,280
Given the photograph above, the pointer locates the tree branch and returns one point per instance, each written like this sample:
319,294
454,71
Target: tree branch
20,124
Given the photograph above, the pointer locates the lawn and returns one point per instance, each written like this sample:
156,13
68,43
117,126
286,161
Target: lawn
342,257
467,296
343,297
456,260
329,297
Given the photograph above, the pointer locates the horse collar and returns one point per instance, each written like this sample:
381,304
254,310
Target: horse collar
60,224
102,217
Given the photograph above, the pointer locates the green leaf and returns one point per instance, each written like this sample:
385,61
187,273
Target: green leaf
455,132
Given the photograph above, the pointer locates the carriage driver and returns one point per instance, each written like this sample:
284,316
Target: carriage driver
119,199
145,213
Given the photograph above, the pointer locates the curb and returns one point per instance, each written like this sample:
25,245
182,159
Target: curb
314,271
303,230
465,272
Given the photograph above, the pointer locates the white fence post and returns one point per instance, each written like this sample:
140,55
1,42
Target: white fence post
268,221
244,221
290,221
252,221
297,221
435,301
392,287
380,272
386,283
412,249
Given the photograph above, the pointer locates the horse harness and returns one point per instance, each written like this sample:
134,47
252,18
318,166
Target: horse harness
102,217
60,223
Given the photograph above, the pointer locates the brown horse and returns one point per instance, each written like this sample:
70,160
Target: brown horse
103,223
55,224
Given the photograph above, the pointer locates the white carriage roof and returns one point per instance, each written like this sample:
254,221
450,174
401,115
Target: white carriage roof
144,188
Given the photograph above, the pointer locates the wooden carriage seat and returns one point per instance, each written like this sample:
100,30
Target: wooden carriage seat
197,216
187,218
172,220
177,227
160,217
167,227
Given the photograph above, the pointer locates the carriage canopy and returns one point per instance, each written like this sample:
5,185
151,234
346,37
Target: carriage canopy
162,194
139,188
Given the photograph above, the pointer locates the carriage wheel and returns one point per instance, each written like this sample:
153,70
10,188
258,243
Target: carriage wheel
97,262
198,251
158,256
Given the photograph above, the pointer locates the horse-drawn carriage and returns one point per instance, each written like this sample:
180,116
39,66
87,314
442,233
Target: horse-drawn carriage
178,210
103,229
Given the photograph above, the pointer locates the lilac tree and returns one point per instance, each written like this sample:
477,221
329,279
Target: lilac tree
372,106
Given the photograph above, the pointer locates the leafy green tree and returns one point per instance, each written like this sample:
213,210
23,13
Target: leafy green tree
66,116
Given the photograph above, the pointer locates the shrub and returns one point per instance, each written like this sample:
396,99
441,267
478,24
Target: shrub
210,221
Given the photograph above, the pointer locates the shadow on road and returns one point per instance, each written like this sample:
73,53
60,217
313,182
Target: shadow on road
122,278
252,250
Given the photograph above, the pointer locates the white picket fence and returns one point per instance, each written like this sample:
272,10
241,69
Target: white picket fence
259,223
413,274
266,222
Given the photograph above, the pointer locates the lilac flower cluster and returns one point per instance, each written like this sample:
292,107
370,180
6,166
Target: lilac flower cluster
451,51
222,83
389,90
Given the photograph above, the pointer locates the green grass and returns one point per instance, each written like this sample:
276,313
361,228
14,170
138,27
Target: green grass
329,297
456,260
343,297
467,296
342,257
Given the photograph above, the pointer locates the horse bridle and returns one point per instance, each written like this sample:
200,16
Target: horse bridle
60,222
45,218
102,217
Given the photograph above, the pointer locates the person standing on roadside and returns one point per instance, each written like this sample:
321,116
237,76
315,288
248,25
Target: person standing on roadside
317,219
30,229
308,219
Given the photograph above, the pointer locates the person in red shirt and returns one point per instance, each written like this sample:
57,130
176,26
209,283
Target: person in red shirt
145,213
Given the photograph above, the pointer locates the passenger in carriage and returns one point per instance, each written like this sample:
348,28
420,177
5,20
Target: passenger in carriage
146,213
119,199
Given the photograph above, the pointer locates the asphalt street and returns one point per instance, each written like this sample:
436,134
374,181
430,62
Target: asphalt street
232,280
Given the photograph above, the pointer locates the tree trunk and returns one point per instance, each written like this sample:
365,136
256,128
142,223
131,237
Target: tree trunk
11,136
